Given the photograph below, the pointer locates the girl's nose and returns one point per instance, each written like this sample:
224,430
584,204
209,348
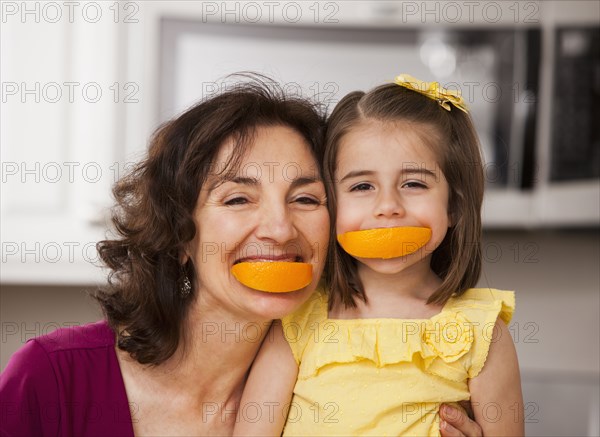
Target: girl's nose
276,225
388,204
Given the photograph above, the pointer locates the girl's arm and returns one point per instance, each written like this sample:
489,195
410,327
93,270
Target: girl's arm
268,392
496,392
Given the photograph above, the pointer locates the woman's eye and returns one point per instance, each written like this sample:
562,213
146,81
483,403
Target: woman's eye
363,186
306,200
236,201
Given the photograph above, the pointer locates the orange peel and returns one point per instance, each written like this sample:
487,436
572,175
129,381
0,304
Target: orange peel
384,243
273,277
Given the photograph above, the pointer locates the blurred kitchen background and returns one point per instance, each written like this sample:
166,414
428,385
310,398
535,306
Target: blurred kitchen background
84,84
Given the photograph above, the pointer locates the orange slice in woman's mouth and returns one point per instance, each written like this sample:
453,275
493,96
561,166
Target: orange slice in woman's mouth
273,277
384,243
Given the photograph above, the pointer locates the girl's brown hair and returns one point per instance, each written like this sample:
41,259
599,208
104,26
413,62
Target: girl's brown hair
153,217
457,261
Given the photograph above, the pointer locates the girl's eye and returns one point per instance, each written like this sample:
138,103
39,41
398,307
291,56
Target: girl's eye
363,186
236,201
413,184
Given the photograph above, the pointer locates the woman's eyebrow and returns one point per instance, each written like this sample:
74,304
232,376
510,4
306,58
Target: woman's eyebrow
244,180
301,181
235,179
298,182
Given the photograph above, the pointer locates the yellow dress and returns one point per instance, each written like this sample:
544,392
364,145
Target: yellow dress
387,376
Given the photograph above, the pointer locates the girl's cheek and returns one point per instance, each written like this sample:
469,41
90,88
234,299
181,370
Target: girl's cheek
340,223
348,218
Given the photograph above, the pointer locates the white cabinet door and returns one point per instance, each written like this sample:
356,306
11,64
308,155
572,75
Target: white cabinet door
66,96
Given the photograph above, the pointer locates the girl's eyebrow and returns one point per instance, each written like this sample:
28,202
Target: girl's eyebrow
404,171
357,173
414,170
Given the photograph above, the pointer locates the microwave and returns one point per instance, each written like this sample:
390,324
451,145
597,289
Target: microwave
495,70
575,145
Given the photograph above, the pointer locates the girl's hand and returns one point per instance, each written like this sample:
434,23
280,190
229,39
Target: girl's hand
455,423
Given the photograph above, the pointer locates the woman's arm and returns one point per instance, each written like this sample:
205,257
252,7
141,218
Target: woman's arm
496,392
269,388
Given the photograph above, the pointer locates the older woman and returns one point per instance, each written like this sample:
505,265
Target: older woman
234,179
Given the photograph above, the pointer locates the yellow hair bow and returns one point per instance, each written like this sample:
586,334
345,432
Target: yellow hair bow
434,91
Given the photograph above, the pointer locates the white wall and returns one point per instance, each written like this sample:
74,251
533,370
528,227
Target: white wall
556,326
556,277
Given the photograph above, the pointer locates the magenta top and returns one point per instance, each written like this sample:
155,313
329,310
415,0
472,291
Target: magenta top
65,383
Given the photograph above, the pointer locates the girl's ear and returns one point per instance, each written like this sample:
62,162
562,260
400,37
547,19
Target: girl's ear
451,218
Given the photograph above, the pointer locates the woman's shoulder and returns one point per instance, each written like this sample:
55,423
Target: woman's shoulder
54,380
88,336
43,359
45,348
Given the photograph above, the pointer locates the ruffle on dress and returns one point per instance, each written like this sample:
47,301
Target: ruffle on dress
452,344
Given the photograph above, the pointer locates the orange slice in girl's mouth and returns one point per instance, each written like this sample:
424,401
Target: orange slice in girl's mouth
273,277
384,243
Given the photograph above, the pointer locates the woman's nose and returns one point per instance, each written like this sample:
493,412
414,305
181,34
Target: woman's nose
276,224
388,204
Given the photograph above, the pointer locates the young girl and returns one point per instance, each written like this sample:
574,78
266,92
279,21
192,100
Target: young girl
400,330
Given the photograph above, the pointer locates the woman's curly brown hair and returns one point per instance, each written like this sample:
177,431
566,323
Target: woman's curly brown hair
153,216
